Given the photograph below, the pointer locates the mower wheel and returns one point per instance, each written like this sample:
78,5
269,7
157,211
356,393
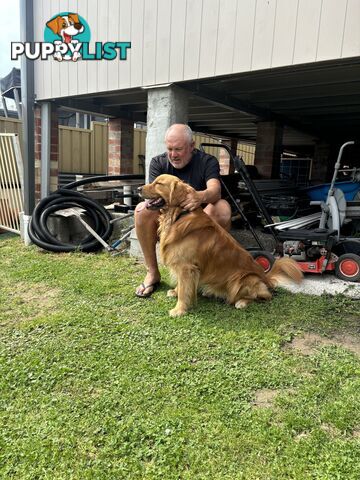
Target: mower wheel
264,259
348,267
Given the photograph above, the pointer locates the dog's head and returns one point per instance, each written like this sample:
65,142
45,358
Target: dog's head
66,26
164,190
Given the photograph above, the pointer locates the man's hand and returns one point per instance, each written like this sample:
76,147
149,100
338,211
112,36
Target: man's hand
193,201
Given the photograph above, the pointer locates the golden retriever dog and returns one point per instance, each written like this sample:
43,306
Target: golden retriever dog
202,255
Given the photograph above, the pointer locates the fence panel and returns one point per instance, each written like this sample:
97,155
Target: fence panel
74,150
11,125
99,148
82,150
11,177
139,150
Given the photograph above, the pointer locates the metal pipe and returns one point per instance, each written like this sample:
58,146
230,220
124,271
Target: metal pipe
27,95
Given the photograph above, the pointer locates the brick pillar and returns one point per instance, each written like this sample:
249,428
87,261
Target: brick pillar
233,147
268,149
54,151
324,155
37,141
121,146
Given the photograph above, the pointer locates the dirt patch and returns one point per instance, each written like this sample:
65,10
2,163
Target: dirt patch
330,430
265,397
301,436
308,343
356,433
38,293
30,301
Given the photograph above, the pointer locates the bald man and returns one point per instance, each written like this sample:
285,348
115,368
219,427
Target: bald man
194,167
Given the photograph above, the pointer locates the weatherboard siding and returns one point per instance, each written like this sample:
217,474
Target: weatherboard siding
176,40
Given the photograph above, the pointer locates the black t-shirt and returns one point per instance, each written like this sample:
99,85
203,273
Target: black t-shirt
201,168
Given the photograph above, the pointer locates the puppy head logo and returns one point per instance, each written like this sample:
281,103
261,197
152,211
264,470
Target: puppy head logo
67,31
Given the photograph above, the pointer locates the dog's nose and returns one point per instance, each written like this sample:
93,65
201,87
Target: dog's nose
140,190
78,26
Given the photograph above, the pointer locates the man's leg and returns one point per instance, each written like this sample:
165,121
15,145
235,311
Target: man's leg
220,212
146,224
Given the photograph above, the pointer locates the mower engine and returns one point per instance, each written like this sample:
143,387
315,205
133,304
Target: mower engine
301,251
312,249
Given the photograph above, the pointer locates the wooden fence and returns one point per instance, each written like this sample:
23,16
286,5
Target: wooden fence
83,150
86,150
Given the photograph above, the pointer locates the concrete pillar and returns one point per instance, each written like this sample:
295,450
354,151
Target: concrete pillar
268,149
121,146
166,105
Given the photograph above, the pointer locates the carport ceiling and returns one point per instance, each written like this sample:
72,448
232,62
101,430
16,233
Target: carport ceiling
312,101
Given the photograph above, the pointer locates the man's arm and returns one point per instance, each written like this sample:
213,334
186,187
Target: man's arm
212,194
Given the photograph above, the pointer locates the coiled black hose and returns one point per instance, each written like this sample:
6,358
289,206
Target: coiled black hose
66,198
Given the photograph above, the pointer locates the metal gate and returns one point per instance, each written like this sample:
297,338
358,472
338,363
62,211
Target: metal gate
11,182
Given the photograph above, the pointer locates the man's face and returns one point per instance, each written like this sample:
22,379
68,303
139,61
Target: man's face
179,150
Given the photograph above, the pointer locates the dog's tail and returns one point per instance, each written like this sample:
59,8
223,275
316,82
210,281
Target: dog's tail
283,270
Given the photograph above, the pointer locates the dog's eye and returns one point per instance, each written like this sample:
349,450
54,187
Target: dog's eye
64,25
159,183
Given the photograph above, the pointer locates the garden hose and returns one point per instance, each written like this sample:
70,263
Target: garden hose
67,198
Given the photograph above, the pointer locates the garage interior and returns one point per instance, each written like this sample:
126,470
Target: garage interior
316,107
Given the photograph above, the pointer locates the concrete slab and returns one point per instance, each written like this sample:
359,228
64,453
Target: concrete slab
327,283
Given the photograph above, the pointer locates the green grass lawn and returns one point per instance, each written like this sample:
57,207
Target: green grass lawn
98,384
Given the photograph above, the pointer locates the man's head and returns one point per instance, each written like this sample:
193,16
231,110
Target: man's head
179,144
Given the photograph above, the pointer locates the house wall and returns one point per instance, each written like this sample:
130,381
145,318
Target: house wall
176,40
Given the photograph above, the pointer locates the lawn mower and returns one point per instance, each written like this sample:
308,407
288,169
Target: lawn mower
316,250
327,247
229,185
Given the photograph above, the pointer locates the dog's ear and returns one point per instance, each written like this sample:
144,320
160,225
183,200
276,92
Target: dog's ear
55,24
173,193
74,17
178,192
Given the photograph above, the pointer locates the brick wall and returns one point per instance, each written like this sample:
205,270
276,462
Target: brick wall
54,151
121,146
37,115
268,149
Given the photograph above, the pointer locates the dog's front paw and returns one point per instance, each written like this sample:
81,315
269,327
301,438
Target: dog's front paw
177,312
242,303
171,293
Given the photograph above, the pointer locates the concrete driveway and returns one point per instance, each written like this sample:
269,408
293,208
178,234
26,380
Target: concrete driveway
314,284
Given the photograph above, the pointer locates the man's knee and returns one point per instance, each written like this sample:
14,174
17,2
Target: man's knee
220,212
145,216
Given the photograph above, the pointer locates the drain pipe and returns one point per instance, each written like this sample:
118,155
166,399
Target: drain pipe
27,98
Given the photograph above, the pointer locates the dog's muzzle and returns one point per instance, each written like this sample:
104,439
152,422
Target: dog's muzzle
151,203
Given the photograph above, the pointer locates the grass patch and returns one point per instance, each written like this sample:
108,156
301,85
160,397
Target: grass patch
99,384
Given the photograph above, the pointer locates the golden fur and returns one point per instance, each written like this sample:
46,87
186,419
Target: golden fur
201,254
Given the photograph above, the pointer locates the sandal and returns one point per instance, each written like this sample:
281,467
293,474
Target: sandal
154,286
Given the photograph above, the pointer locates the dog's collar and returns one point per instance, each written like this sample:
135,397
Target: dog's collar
181,214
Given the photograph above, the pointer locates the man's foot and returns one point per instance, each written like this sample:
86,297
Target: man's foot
147,288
